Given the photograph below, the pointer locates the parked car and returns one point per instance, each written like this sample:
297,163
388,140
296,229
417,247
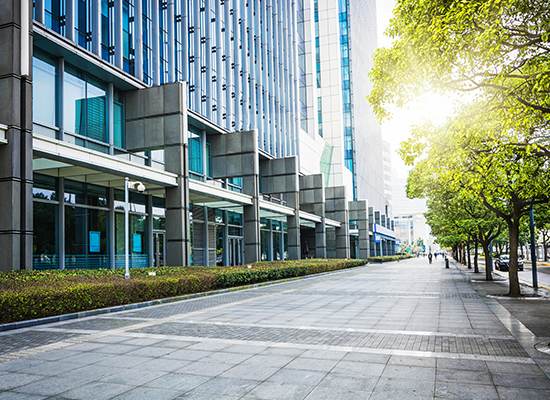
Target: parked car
502,263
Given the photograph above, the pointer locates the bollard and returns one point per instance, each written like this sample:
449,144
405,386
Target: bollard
446,262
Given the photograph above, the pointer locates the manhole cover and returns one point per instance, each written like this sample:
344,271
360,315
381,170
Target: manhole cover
543,347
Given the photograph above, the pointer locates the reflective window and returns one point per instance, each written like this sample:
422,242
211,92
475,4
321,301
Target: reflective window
43,187
86,238
43,98
85,107
195,153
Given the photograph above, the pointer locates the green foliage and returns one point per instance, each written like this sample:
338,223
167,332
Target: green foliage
37,294
498,49
382,259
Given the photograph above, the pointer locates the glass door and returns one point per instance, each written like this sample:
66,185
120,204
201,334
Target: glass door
235,251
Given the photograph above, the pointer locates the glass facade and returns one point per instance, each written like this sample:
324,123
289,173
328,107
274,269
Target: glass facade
237,57
349,156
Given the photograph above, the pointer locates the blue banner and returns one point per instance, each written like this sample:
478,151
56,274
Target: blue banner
136,243
95,241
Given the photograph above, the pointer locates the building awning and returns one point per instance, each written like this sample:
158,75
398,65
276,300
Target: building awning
3,130
62,159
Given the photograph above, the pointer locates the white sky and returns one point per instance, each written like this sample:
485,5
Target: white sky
431,107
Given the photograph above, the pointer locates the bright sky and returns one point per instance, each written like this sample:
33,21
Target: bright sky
430,107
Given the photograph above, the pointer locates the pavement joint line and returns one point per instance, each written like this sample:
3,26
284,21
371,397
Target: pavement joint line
348,349
381,331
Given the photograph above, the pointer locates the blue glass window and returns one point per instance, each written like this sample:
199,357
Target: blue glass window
195,153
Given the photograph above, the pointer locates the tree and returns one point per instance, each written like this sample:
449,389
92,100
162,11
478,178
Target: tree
476,154
501,48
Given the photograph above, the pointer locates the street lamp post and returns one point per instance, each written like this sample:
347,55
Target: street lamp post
533,250
140,187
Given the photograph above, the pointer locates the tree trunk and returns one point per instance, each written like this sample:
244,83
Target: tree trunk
468,254
544,248
476,267
513,240
488,261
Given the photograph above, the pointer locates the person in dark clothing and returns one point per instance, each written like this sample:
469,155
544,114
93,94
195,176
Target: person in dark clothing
430,257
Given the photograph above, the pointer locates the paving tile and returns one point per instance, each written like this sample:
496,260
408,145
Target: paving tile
278,391
408,372
96,391
508,393
514,368
312,364
461,391
349,383
521,381
412,361
243,371
450,375
367,357
164,364
204,368
394,388
337,393
227,386
51,386
19,396
324,354
12,380
132,377
297,376
468,365
123,361
151,351
359,369
191,355
178,381
148,393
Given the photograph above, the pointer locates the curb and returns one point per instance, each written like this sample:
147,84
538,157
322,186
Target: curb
133,306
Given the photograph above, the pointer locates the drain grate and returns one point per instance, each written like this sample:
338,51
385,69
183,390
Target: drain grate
428,343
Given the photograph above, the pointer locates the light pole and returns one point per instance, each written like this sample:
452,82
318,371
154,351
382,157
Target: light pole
533,250
140,187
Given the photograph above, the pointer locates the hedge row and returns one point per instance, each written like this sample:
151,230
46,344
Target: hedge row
37,294
381,259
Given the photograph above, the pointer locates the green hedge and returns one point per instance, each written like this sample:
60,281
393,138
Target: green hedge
37,294
381,259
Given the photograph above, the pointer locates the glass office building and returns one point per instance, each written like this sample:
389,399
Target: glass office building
171,94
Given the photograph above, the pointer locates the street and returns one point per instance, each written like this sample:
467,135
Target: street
401,330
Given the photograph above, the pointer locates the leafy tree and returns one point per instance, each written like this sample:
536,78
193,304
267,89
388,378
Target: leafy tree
500,48
476,154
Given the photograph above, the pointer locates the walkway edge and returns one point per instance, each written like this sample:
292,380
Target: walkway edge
133,306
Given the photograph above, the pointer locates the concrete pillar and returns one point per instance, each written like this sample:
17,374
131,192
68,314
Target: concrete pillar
251,217
293,227
236,155
156,118
337,209
358,211
149,228
16,218
312,200
61,223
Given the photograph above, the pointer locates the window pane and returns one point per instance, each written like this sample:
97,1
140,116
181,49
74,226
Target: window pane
96,112
195,153
118,119
43,100
74,96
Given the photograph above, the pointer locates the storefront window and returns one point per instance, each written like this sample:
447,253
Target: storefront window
45,235
86,238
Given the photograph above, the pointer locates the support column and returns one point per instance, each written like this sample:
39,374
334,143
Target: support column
156,118
149,227
312,200
280,176
337,209
16,218
236,155
358,211
61,223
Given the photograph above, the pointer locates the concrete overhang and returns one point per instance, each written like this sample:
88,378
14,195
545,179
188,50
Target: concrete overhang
3,130
60,158
276,208
332,223
310,217
60,46
203,193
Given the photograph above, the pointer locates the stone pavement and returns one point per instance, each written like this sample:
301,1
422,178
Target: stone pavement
404,330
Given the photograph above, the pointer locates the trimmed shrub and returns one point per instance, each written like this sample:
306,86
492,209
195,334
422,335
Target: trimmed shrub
382,259
37,294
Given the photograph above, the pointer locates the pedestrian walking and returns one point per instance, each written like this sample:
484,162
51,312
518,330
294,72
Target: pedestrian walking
430,257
